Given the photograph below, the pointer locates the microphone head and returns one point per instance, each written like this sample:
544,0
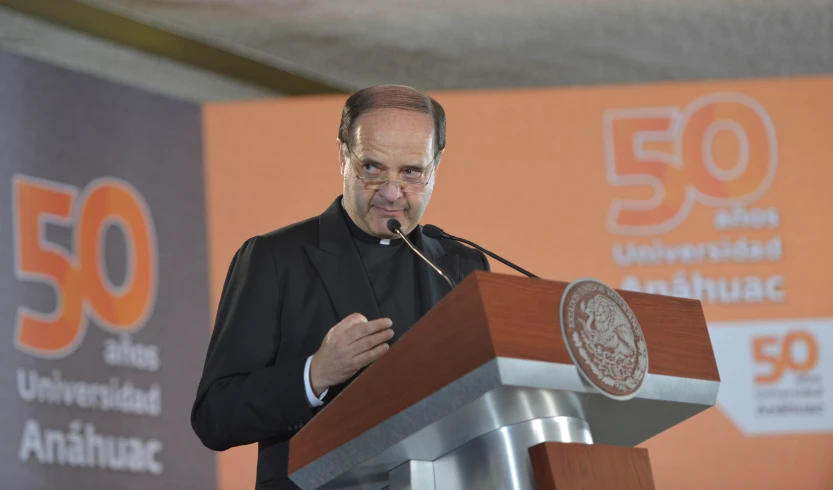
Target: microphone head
432,231
394,225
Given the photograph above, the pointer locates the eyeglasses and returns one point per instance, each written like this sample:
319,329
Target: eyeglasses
373,175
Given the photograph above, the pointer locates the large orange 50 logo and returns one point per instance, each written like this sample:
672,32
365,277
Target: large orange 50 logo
720,151
82,286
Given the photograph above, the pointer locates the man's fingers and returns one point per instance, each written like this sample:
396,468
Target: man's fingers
351,320
369,342
341,328
369,356
359,330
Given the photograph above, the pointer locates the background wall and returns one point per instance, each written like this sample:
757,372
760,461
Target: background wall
103,295
708,190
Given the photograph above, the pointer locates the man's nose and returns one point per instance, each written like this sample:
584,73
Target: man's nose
391,191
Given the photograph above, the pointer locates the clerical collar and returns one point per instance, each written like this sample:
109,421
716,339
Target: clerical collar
366,237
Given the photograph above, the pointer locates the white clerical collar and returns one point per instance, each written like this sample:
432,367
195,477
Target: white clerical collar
384,241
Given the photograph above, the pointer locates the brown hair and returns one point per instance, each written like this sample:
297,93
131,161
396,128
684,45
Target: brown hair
391,97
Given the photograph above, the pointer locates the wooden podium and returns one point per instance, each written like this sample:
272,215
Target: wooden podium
482,394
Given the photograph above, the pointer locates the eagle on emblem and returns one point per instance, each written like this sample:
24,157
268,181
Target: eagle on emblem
607,325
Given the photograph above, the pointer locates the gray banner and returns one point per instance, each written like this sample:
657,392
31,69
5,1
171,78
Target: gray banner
103,284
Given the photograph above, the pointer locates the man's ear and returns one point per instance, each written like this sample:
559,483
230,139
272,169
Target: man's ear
438,160
342,161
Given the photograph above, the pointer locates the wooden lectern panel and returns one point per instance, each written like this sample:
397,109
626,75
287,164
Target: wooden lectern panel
574,466
525,324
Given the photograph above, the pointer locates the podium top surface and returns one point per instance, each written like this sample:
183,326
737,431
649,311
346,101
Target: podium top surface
490,317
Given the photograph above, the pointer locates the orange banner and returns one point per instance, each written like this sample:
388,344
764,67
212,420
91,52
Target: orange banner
715,191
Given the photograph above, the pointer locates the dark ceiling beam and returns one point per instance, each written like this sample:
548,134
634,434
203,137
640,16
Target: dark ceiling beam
122,30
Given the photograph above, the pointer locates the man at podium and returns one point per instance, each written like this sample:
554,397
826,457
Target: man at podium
305,307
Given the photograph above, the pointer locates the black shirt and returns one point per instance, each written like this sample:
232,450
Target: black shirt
390,266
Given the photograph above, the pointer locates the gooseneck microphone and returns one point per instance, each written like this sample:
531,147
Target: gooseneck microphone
435,232
396,227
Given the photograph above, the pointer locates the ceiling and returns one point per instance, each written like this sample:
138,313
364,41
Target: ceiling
488,44
27,36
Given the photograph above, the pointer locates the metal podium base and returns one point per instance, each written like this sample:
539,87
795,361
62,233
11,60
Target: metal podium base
478,428
498,460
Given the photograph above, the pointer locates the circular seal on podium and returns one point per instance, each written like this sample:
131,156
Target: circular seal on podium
604,338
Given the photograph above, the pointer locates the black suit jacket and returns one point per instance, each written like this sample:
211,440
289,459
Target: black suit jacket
283,292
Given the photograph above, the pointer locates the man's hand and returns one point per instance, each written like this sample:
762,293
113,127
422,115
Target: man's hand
349,346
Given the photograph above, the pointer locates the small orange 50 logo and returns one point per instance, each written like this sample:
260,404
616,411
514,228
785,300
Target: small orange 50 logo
720,151
796,351
81,283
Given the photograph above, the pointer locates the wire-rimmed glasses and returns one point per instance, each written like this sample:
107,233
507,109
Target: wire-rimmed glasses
414,179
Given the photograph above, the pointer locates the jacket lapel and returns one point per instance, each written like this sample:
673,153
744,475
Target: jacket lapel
340,267
431,286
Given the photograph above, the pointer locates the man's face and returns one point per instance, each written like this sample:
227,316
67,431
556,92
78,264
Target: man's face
394,144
